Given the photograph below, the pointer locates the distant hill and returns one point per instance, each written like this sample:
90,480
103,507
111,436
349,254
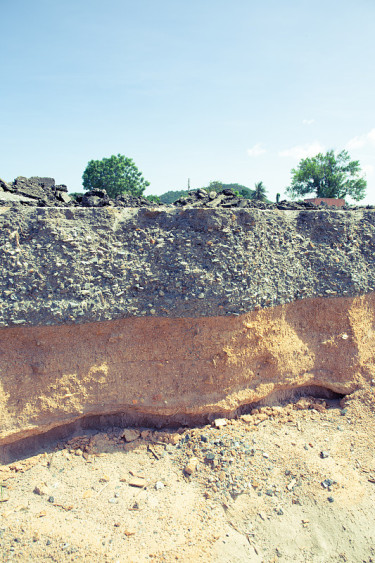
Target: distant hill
172,196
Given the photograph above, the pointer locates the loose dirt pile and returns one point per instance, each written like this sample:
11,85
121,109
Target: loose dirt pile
292,482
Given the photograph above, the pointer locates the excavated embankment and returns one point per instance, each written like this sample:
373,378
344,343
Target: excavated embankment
178,312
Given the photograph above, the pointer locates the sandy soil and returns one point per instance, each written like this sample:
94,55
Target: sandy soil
289,482
177,368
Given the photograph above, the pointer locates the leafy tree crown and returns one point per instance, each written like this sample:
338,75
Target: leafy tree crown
328,175
116,174
259,193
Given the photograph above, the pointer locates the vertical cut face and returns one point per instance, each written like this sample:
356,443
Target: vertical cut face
80,265
179,368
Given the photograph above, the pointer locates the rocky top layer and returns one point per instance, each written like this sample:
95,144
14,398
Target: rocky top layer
42,192
34,191
228,199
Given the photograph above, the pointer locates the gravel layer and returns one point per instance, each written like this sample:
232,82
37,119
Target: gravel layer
81,265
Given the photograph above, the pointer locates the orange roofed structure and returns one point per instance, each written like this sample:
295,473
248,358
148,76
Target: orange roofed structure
330,201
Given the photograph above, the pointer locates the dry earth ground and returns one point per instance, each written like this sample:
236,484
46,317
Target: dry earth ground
293,482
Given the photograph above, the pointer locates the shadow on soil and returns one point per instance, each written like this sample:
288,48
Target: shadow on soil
90,425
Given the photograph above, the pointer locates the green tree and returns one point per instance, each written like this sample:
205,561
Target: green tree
76,195
215,186
328,175
259,193
116,174
153,198
245,192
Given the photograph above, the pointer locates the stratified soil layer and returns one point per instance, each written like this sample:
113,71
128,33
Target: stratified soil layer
55,375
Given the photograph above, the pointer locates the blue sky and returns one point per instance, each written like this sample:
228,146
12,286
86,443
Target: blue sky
237,91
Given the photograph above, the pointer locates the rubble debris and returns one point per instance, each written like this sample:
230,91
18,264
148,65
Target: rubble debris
130,435
43,192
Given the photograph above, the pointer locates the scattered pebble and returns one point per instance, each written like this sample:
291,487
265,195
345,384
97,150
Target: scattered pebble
130,435
191,466
137,482
41,489
220,422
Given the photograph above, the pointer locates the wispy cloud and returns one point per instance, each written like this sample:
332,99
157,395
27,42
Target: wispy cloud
303,151
308,121
256,150
361,141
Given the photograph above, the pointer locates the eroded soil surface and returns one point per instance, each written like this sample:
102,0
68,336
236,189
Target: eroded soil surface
292,482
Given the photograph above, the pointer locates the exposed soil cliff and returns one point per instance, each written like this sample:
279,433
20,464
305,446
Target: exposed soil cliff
178,312
180,368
